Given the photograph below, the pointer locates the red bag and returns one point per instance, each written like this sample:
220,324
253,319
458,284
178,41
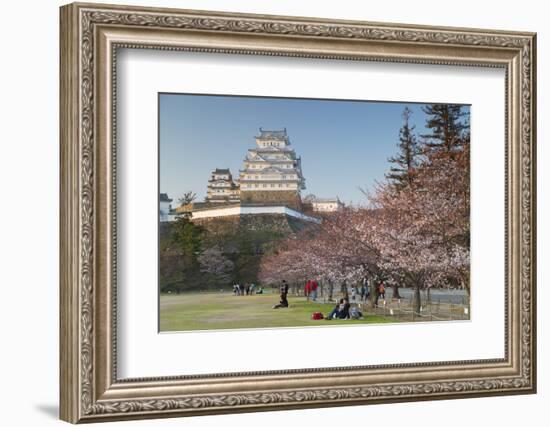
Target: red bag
317,316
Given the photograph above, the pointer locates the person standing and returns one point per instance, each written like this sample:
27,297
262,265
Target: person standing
354,297
381,291
307,289
313,290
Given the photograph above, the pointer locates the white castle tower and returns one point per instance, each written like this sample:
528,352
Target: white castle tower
221,187
272,166
269,183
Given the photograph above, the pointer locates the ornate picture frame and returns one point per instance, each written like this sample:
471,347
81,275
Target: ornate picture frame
90,37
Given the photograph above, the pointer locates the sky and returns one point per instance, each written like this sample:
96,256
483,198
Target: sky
344,145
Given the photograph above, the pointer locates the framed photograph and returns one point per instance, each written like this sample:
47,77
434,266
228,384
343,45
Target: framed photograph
267,213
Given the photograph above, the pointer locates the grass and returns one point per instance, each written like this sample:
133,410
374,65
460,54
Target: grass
204,311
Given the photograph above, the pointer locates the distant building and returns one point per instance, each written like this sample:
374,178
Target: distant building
221,187
326,205
272,165
270,183
165,208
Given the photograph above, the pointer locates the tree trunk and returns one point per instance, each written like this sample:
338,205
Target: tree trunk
416,299
344,290
466,282
396,292
373,294
330,290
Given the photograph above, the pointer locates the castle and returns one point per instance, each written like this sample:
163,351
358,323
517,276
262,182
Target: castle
270,182
221,188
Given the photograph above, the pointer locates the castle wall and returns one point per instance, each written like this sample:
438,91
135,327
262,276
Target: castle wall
270,222
290,199
249,211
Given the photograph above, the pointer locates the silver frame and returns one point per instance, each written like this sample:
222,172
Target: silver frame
90,37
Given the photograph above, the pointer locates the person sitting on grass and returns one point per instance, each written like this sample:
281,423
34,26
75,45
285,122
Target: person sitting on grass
283,303
340,310
355,313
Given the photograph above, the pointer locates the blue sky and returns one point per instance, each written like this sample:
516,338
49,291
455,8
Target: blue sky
344,145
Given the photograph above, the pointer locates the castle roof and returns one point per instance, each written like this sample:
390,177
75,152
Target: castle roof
273,134
230,184
220,180
271,169
271,149
259,159
326,200
222,171
253,156
271,181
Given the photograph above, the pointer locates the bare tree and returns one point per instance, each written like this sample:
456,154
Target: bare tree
187,198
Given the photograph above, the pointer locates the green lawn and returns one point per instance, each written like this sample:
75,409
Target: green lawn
200,311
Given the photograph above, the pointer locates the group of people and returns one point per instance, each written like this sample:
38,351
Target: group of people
246,289
363,294
344,310
310,290
348,306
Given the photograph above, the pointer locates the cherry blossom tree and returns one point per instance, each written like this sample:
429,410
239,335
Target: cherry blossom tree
424,229
215,263
418,232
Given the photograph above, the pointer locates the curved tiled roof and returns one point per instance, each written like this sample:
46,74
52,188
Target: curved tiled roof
222,171
267,181
273,134
271,149
270,169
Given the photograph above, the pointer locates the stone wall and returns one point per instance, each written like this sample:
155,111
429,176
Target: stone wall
276,223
